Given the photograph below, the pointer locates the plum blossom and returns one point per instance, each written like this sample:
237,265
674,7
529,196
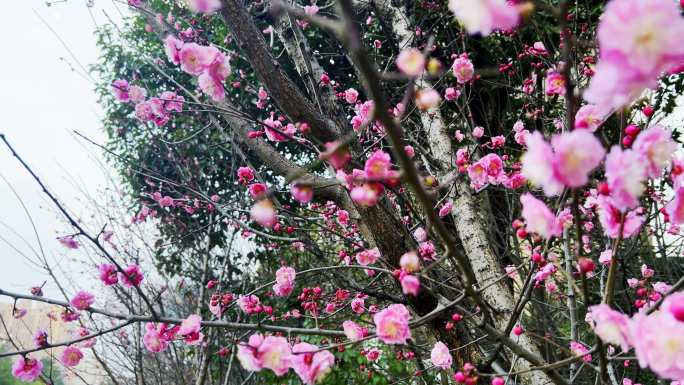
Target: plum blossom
194,58
611,326
310,363
71,356
427,98
487,170
638,40
410,262
440,356
131,276
108,274
272,353
410,284
609,216
658,341
368,256
555,84
172,48
158,336
204,6
411,62
626,174
26,369
451,93
655,144
250,304
446,209
463,69
120,89
69,242
391,324
353,331
264,213
190,330
285,277
675,209
367,194
302,193
377,165
580,350
485,16
589,117
539,218
351,95
82,300
567,161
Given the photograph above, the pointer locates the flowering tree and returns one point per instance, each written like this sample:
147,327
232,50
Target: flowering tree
483,191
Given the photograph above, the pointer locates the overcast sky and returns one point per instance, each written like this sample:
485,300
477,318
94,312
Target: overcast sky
44,95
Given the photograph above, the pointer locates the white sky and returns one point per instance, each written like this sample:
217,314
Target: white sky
41,100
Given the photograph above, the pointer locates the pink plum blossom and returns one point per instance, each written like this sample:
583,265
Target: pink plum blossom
446,209
302,193
264,213
204,6
172,48
272,353
626,174
658,341
609,216
131,276
245,175
353,331
463,69
108,274
411,62
285,277
368,257
69,242
538,217
555,84
367,194
566,162
310,363
656,146
675,209
638,40
427,98
71,356
410,284
391,324
190,330
26,369
351,95
485,16
440,355
611,326
120,88
410,262
589,117
82,300
579,349
194,58
249,304
377,166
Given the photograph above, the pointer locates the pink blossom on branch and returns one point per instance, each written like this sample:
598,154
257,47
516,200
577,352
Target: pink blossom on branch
82,300
310,363
204,6
71,356
26,368
485,16
566,162
391,324
285,277
440,355
538,218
